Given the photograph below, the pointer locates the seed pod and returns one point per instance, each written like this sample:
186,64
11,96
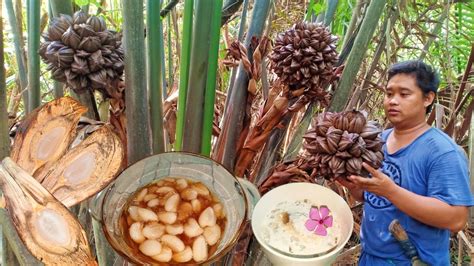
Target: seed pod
79,17
71,38
98,24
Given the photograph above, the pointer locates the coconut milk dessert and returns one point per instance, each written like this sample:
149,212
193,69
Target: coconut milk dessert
174,220
301,228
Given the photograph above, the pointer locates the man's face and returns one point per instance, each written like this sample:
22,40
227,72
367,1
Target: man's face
404,102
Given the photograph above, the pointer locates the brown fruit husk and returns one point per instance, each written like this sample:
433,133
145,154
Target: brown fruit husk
45,134
338,143
50,232
86,169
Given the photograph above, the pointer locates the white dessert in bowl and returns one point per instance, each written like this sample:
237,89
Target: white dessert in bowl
302,224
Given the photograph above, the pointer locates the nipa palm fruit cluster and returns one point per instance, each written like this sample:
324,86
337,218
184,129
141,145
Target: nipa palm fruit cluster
304,57
82,52
338,143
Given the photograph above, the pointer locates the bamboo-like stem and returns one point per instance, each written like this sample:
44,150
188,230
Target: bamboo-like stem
136,100
330,11
4,128
198,67
161,43
20,61
434,34
243,20
170,53
229,9
210,92
234,113
357,54
155,73
354,19
34,17
171,4
361,92
184,71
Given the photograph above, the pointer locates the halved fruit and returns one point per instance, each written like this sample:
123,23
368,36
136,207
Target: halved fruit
45,134
50,232
86,169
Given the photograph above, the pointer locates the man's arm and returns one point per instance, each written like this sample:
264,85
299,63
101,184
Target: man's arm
427,210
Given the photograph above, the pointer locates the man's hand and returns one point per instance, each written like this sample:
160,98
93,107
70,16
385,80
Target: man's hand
380,184
355,190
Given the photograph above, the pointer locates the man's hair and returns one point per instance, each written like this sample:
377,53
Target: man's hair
426,76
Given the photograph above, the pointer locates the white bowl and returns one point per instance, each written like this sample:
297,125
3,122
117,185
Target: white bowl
300,191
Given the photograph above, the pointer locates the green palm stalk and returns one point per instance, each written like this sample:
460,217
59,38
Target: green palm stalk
23,75
154,37
184,71
198,67
211,78
138,134
357,54
34,95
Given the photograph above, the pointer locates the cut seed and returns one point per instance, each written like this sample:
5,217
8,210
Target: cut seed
189,194
201,189
153,203
150,247
167,217
207,217
135,232
184,256
199,249
153,230
147,215
173,242
165,255
181,184
174,229
141,195
133,211
196,204
164,190
170,180
171,204
212,234
149,197
192,228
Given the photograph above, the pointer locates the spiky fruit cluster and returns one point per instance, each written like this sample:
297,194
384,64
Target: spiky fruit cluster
338,143
82,52
304,57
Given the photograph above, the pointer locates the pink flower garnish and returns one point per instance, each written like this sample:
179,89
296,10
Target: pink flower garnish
319,220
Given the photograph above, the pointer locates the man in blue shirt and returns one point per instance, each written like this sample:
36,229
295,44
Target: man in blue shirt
424,179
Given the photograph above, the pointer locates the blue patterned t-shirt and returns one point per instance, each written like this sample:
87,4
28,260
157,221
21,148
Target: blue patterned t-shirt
433,166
